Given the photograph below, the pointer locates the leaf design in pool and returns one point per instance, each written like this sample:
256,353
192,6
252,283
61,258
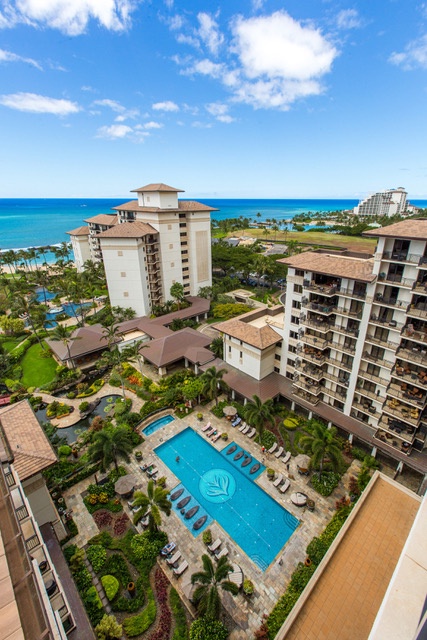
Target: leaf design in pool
218,486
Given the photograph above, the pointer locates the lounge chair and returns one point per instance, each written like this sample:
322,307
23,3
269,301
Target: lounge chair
279,452
215,545
176,556
222,553
146,466
273,448
180,570
209,432
251,433
285,486
217,437
286,457
236,421
153,471
278,480
206,427
246,429
242,426
213,433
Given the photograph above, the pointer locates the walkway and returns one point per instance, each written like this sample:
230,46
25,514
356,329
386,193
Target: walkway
83,630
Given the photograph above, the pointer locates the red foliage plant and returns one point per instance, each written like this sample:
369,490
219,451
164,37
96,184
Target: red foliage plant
121,525
102,518
164,624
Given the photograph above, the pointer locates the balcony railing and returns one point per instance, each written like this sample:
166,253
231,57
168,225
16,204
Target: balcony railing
387,344
412,355
313,372
335,394
361,295
412,416
322,327
370,394
365,408
313,357
423,262
389,302
323,289
400,256
397,428
414,399
357,315
390,439
340,364
372,378
345,330
377,359
319,308
414,334
396,279
390,324
342,347
414,377
330,376
304,395
416,313
315,342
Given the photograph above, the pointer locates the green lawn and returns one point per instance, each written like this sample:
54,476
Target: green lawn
10,343
37,371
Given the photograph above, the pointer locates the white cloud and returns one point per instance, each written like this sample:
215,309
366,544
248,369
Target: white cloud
414,55
117,108
35,103
152,125
209,33
207,68
175,23
70,17
185,39
114,131
220,112
348,19
8,56
167,105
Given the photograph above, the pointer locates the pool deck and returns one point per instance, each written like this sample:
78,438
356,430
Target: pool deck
247,613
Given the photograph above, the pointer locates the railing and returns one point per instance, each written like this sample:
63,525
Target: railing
345,330
380,361
414,334
361,295
333,378
319,308
342,347
323,289
369,409
308,386
357,315
308,397
396,279
315,342
391,324
416,313
389,302
373,378
316,374
340,363
400,430
387,344
412,355
335,394
32,542
21,513
400,256
370,394
397,392
403,415
322,327
423,261
311,357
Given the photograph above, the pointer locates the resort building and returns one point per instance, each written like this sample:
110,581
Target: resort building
391,202
33,601
150,244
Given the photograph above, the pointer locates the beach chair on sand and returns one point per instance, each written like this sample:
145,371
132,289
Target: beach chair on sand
176,556
279,452
215,545
285,486
278,480
251,433
286,457
273,448
222,553
217,437
180,570
206,427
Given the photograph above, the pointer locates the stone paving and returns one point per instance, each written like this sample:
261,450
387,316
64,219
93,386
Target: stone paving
247,613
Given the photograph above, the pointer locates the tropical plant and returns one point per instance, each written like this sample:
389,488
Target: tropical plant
206,595
109,445
156,500
258,413
62,334
217,347
177,293
208,629
321,443
212,381
108,628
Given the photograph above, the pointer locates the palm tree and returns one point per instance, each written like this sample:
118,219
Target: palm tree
156,499
62,334
132,353
217,347
257,413
109,445
321,443
212,381
206,595
177,293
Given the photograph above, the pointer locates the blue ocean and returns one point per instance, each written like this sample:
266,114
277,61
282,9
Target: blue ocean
40,222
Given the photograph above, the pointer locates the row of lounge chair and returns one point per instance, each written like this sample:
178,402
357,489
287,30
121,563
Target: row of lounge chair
211,432
214,548
247,430
279,453
173,556
150,469
281,483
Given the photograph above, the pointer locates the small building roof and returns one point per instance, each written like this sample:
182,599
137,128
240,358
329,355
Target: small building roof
128,230
103,218
27,442
183,205
259,337
177,345
80,231
408,229
157,187
333,265
83,340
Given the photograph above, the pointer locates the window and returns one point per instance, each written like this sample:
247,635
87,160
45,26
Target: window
299,272
277,357
292,349
125,294
276,369
229,349
119,253
291,362
293,334
171,246
297,288
241,355
296,304
172,265
123,274
241,342
294,320
169,227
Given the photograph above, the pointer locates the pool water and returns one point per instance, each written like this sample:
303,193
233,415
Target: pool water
256,522
157,424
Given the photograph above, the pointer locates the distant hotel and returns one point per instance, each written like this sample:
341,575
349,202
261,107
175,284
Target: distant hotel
150,244
391,202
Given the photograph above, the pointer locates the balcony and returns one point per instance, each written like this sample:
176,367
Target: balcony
313,356
346,348
396,279
323,289
304,395
360,295
417,311
393,441
411,395
339,395
412,355
340,363
405,413
338,380
318,325
370,357
399,256
347,331
397,428
389,302
423,262
420,286
308,385
320,308
413,376
369,394
372,378
390,324
382,342
315,342
365,407
341,311
415,335
313,372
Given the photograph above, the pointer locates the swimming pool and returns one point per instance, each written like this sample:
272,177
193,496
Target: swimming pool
157,424
256,522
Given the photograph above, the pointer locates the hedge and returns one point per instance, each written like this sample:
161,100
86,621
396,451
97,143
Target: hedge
136,625
180,631
111,586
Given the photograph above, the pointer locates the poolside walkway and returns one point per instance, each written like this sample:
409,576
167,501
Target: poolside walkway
247,613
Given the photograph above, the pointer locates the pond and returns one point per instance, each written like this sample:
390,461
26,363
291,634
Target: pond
71,433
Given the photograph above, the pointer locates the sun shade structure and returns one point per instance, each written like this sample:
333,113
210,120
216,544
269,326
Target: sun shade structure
302,461
125,484
229,411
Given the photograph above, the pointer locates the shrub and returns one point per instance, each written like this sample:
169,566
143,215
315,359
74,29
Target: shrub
290,423
71,395
97,556
208,629
136,625
69,552
84,406
131,605
111,586
64,451
248,587
144,547
116,566
121,525
207,536
316,549
268,439
82,578
104,539
326,482
93,605
180,631
102,518
108,628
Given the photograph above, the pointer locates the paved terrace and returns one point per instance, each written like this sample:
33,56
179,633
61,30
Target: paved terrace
246,613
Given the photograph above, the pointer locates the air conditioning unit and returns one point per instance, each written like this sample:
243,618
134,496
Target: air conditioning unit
297,362
303,317
304,300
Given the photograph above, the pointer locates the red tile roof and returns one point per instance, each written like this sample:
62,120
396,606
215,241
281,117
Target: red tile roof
333,265
80,231
183,205
128,230
103,218
176,346
157,187
409,229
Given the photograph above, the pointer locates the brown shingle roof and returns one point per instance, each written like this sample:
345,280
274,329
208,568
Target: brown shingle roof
80,231
165,351
183,205
259,337
333,265
157,186
128,230
410,229
30,447
103,218
86,340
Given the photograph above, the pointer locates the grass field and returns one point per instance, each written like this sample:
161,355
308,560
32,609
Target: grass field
313,238
10,343
37,371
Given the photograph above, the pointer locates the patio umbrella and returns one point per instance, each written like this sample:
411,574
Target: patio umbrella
302,461
125,484
229,411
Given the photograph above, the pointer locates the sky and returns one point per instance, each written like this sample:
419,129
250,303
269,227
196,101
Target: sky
241,99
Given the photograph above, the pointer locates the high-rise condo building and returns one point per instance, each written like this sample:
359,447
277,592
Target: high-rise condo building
389,203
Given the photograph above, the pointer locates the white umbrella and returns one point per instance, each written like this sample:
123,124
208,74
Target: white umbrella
229,411
302,461
125,484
